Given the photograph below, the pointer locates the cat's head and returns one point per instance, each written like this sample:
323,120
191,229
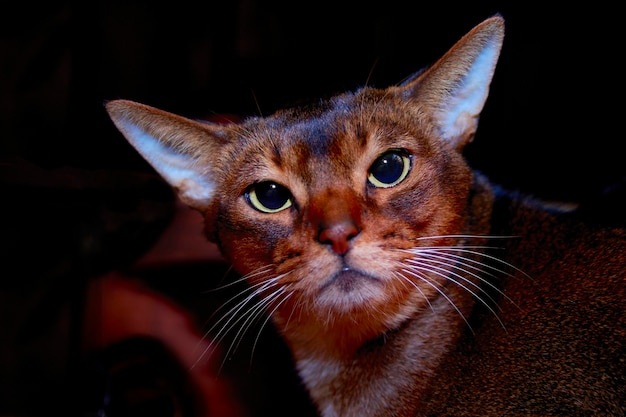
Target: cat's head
323,207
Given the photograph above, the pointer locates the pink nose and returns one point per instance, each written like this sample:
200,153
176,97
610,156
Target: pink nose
336,213
338,236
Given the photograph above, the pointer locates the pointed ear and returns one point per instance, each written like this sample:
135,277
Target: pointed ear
455,88
176,147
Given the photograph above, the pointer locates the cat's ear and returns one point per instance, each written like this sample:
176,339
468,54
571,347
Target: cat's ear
176,147
454,89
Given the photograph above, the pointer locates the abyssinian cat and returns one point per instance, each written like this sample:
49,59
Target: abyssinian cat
402,281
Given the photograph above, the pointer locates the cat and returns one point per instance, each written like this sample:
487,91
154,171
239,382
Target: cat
403,281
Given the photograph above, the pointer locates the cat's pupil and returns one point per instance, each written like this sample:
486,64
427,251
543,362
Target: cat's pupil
389,169
269,197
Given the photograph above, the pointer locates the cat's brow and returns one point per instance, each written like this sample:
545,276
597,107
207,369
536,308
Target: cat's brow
315,135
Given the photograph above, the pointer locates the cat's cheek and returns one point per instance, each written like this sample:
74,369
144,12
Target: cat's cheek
249,246
210,218
427,212
298,253
409,216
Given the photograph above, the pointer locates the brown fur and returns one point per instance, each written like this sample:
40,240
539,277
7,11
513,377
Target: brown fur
377,326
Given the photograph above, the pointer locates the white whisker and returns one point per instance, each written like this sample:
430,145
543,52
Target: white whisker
252,313
465,237
244,310
465,265
472,264
424,260
253,290
447,274
472,251
249,317
258,272
226,321
424,278
269,316
414,285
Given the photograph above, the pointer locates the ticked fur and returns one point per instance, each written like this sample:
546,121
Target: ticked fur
360,230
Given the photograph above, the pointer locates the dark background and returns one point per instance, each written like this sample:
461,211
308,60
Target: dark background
77,200
549,126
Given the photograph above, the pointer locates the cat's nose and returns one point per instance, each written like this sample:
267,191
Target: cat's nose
336,212
339,236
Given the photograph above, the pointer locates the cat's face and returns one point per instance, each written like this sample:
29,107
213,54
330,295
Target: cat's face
325,208
345,219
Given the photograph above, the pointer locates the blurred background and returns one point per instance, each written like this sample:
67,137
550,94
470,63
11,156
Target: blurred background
79,204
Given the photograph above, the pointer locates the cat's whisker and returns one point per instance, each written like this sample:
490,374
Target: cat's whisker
222,279
249,289
465,236
445,258
252,313
450,267
269,316
256,102
247,310
293,309
450,276
468,261
474,250
371,72
376,107
258,310
260,271
424,278
465,261
226,321
452,262
252,295
406,280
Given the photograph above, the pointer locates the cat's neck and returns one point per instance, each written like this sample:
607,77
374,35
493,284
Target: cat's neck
398,364
329,363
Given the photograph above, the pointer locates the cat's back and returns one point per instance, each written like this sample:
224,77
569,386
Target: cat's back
561,346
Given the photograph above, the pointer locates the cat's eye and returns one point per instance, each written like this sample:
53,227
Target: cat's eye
269,197
389,169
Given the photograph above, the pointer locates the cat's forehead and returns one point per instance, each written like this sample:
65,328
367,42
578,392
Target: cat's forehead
341,124
335,138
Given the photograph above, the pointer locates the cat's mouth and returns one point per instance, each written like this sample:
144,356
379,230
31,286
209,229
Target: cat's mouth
348,280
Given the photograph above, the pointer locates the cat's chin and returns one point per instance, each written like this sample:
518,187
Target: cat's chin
348,288
348,280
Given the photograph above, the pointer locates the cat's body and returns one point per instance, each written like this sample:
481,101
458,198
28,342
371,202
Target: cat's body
560,349
402,282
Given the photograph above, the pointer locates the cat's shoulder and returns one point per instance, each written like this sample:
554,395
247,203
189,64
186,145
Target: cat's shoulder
597,210
579,240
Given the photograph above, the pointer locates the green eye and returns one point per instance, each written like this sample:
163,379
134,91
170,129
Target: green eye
389,169
269,197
